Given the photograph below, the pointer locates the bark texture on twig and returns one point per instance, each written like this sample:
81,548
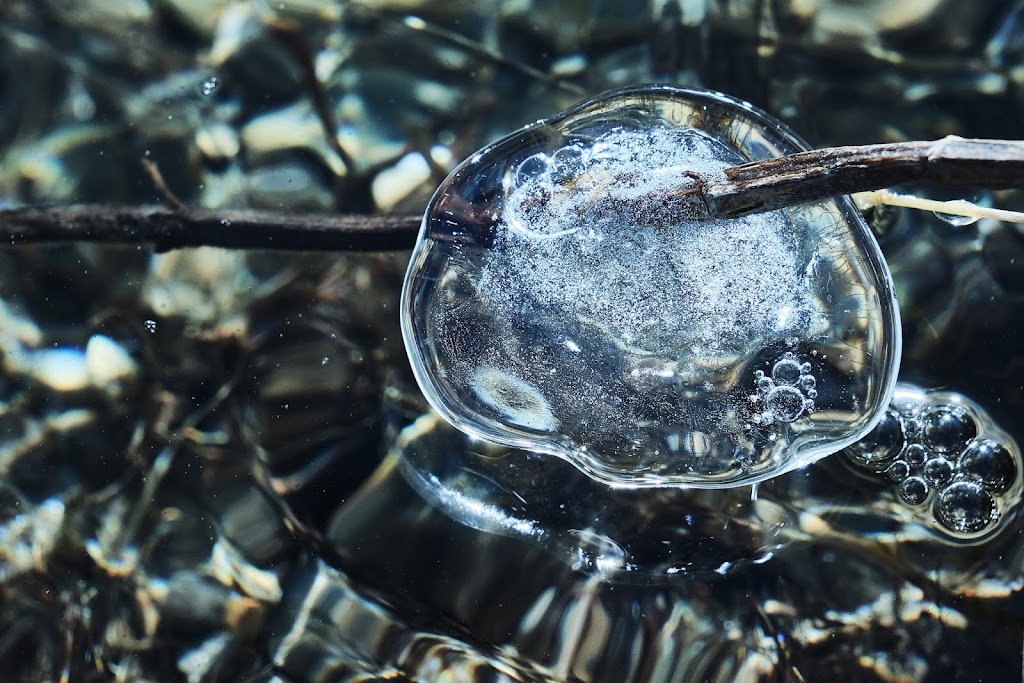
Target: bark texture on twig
833,171
167,229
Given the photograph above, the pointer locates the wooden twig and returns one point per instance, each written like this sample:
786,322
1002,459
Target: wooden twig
297,43
153,171
833,171
753,187
167,229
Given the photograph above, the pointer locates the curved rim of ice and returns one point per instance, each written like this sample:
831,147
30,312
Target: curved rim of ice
575,456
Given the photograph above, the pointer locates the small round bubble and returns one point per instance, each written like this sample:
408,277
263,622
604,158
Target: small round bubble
785,403
882,444
209,85
532,167
897,471
786,371
947,428
938,471
915,455
567,163
965,507
913,490
990,463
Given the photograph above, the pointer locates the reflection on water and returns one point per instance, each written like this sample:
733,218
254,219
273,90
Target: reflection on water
216,466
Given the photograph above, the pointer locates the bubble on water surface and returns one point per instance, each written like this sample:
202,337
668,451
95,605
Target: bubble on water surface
560,300
958,471
965,507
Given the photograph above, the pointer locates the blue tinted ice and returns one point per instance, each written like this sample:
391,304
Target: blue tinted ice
558,300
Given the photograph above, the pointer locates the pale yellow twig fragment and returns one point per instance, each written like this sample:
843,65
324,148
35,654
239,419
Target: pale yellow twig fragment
957,207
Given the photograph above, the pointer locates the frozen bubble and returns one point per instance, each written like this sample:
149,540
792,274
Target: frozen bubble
898,470
915,455
785,403
913,490
880,446
938,471
787,371
947,428
965,507
572,229
912,427
990,463
971,491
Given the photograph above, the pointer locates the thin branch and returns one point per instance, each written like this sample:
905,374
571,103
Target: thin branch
833,171
296,42
167,229
153,171
753,187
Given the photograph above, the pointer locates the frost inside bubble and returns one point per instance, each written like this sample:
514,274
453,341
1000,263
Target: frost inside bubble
560,300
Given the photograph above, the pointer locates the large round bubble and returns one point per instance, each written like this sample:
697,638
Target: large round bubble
560,301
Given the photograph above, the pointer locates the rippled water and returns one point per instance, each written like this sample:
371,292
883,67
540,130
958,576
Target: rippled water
217,465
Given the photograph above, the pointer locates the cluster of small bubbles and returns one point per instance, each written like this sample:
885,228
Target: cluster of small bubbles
787,393
942,449
209,86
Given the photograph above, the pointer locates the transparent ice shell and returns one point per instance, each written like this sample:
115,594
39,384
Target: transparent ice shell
558,301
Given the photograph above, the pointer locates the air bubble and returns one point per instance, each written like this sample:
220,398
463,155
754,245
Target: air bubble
913,490
782,393
990,463
947,429
897,471
938,471
567,164
209,86
974,488
964,507
785,403
786,371
881,445
532,167
915,455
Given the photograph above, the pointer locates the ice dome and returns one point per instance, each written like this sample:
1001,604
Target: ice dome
559,301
